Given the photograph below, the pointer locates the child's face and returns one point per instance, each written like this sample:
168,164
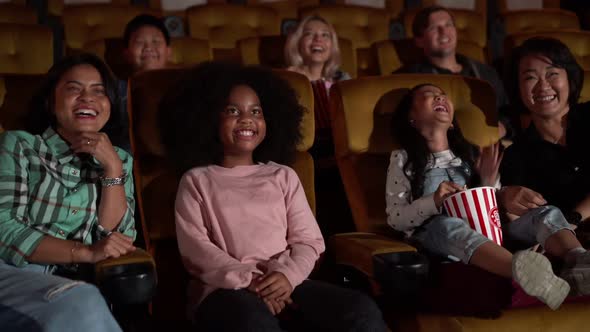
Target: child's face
242,126
147,49
431,108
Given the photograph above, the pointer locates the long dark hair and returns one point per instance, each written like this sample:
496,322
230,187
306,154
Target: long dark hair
41,114
189,114
416,147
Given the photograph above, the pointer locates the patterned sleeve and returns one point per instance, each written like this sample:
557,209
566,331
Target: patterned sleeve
403,213
17,239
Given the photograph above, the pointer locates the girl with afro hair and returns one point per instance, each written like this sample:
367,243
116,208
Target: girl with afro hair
246,233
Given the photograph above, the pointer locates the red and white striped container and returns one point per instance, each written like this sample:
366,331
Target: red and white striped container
478,207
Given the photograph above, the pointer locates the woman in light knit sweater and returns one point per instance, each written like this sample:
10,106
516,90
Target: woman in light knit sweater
246,233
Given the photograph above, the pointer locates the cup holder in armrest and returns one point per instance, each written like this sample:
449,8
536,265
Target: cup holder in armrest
129,283
401,274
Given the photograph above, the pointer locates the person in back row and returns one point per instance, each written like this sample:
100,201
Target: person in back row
245,230
312,50
435,33
147,47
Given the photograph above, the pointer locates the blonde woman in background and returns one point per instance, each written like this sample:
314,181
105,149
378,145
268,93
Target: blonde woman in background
312,50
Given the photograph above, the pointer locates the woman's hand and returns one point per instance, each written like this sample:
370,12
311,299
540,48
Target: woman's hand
274,305
519,200
488,164
445,189
113,246
100,147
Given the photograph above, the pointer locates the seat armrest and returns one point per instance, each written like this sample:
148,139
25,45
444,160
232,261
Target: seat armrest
357,249
129,279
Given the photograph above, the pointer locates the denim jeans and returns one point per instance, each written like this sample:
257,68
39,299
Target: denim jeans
454,239
32,299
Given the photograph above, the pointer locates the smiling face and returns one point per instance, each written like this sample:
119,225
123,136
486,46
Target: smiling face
147,49
544,88
81,103
242,126
315,45
439,39
431,108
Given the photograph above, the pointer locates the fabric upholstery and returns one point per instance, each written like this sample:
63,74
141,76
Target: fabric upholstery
361,25
224,24
84,23
286,9
577,41
268,51
25,49
56,7
585,93
471,26
393,54
534,20
16,92
14,13
394,7
478,6
505,6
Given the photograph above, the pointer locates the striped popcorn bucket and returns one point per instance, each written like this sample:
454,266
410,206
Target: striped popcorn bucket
478,207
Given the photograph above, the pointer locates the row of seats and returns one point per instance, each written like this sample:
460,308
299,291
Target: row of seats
361,110
223,24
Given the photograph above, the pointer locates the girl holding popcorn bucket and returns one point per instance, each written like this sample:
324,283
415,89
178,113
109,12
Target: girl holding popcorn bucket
437,162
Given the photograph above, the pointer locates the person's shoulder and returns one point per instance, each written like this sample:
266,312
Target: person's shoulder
398,157
12,137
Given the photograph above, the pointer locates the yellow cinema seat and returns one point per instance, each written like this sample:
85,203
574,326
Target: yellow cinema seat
56,7
156,182
25,49
539,20
577,41
84,23
223,25
17,13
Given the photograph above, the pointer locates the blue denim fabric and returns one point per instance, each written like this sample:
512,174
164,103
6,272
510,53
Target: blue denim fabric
443,235
32,299
536,225
453,238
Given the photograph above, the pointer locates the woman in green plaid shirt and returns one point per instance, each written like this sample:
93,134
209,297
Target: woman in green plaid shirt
64,200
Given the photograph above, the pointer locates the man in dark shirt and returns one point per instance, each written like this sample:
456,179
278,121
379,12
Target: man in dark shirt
435,33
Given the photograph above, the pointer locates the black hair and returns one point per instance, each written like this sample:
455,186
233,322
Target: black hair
142,20
422,18
41,113
189,114
416,147
559,55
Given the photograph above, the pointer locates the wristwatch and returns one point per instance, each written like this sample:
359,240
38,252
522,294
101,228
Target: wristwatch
109,182
573,217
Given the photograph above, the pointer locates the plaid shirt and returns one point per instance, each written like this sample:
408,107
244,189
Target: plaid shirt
45,189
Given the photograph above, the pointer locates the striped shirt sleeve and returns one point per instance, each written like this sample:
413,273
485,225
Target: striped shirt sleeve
17,239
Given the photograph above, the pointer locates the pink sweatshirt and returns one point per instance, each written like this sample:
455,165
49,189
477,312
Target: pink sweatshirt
233,222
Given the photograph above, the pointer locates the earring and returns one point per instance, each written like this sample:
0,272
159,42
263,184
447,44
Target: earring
412,122
452,126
